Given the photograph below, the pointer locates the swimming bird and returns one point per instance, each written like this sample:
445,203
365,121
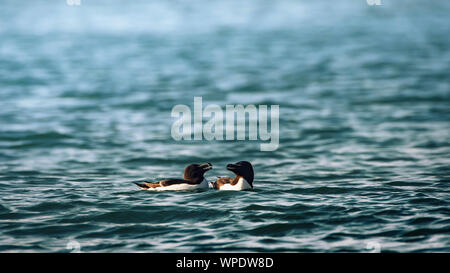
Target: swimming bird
193,179
242,181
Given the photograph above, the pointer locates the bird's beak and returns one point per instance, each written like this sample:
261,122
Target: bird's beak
206,166
231,167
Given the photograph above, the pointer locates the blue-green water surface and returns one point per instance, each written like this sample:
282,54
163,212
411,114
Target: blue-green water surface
86,94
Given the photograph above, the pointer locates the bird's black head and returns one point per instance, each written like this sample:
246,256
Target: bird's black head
244,169
195,172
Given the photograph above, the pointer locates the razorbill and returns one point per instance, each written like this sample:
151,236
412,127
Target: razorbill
242,181
193,180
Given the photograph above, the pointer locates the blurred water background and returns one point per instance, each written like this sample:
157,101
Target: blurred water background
86,94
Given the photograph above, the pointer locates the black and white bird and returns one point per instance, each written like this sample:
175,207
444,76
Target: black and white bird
193,180
242,181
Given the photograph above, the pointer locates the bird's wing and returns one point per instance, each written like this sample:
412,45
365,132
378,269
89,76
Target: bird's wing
169,182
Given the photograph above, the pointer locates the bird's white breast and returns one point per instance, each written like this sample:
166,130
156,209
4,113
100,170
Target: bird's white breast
242,184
